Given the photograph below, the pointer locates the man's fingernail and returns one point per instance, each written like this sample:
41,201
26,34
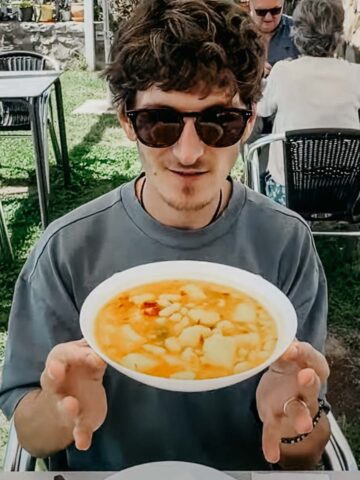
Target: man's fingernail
273,459
50,374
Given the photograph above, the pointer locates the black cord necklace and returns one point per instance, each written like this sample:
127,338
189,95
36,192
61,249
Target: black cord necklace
214,217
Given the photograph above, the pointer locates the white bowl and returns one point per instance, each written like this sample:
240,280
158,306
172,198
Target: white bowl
274,301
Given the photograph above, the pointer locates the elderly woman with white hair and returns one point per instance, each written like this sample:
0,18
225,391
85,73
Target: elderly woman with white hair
316,90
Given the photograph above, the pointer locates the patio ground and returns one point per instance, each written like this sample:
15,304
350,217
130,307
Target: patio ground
101,159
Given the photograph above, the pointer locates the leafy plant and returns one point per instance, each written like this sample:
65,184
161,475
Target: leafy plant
26,4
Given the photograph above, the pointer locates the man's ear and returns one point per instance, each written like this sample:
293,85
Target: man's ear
250,125
126,125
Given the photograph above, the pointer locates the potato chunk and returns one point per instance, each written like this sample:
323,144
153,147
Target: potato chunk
244,312
191,336
139,362
205,317
193,291
219,351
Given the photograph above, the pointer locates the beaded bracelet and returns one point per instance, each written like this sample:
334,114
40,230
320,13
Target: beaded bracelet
322,407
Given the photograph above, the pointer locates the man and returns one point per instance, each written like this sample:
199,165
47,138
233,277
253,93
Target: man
186,76
275,28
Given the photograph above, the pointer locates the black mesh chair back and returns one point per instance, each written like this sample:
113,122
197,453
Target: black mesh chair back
14,115
322,173
26,61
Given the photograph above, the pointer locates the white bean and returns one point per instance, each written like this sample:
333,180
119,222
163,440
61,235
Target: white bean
167,311
155,349
139,299
173,344
138,361
176,317
171,297
194,292
244,312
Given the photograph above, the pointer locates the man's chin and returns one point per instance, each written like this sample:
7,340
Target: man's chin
186,204
268,29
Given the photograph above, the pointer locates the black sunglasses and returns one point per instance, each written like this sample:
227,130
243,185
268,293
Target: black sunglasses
216,126
261,12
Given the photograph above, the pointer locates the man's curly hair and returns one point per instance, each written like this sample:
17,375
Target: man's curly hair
187,46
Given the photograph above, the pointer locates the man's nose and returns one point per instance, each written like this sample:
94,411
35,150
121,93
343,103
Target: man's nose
268,17
189,148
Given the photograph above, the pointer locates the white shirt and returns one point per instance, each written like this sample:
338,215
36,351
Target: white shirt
309,92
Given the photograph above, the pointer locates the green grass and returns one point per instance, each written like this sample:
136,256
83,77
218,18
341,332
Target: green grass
99,163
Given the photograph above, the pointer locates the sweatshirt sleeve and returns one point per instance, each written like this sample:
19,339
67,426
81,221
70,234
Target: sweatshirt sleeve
303,281
43,314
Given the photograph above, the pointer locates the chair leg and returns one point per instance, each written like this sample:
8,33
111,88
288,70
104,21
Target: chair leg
5,245
54,143
38,137
46,145
52,131
62,133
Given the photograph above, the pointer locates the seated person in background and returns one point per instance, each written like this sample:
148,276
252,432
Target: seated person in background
171,59
313,91
275,29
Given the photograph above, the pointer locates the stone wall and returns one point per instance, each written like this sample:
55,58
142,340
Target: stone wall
63,41
352,22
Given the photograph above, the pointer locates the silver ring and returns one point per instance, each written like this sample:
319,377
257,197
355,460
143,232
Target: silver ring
293,399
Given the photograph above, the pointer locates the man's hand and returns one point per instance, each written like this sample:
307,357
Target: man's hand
72,379
294,380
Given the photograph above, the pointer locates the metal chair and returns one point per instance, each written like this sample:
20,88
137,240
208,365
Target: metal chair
14,115
5,245
337,456
322,173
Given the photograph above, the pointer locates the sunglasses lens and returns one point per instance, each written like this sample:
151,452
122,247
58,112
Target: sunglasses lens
158,128
262,12
275,11
221,128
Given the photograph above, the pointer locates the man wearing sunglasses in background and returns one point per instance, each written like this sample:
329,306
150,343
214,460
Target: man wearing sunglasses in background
186,76
275,28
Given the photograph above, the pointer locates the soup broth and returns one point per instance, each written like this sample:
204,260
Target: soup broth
186,330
